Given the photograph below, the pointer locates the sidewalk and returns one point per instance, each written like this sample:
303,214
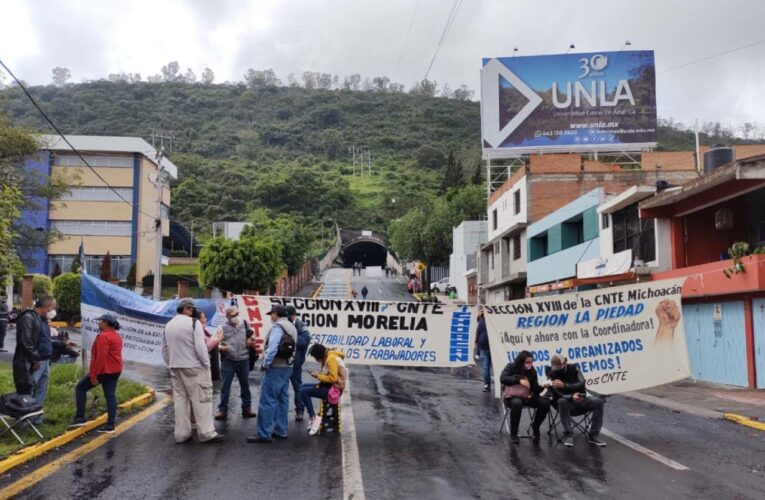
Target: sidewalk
706,399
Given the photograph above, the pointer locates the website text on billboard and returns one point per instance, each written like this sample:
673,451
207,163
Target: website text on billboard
568,102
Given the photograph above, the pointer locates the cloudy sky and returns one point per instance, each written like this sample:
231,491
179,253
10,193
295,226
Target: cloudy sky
96,37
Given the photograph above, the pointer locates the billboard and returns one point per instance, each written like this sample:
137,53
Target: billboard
600,101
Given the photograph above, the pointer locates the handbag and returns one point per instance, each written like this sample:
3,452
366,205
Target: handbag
516,391
333,396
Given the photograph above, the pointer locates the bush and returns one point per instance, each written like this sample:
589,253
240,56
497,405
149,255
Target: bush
66,290
41,285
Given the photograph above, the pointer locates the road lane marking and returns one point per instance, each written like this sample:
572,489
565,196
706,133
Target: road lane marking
353,484
45,471
645,451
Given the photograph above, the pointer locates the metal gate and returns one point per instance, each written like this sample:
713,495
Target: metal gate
758,311
716,339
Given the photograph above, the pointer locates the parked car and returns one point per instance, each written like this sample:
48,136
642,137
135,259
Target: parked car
441,285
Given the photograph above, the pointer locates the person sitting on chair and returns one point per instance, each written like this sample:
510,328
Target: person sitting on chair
522,389
569,391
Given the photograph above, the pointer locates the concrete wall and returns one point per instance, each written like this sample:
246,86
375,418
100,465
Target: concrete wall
561,265
505,209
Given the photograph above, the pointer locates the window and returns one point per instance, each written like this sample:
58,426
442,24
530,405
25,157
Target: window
164,211
63,264
517,202
604,221
98,194
633,233
70,160
572,232
494,219
538,247
92,227
517,246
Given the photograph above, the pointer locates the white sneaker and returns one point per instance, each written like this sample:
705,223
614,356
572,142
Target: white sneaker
315,426
310,423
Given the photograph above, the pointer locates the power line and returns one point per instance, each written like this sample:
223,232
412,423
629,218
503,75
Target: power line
406,38
711,57
449,21
58,131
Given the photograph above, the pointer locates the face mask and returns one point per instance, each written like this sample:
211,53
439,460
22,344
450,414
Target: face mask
233,320
51,314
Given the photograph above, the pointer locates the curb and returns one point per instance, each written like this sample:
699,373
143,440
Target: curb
317,291
673,405
742,420
33,451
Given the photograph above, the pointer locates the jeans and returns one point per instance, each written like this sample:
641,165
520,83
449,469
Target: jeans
297,379
240,369
485,357
40,378
3,331
568,409
274,402
516,408
308,391
108,382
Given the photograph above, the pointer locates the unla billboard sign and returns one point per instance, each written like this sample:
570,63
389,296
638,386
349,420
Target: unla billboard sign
604,101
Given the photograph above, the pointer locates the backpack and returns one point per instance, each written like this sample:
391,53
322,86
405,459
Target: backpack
287,346
18,405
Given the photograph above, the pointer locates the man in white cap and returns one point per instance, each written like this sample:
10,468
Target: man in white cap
185,352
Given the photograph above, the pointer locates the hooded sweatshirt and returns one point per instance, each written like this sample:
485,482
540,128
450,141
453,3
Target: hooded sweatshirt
334,371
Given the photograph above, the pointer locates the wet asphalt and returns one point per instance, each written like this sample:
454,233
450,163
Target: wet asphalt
421,434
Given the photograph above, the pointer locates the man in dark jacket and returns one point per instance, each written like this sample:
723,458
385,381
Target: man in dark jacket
31,353
570,397
482,350
4,319
301,348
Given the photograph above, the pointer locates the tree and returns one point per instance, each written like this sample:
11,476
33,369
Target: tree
452,176
41,285
190,76
429,157
208,77
291,237
261,79
352,82
61,76
446,91
237,266
425,88
463,93
106,267
171,72
66,291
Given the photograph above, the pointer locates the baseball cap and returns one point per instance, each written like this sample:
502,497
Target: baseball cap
291,310
279,310
187,302
108,317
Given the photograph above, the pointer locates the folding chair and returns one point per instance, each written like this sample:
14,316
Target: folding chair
532,413
330,417
579,422
19,422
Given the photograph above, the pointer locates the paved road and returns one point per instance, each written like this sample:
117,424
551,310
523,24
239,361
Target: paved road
422,433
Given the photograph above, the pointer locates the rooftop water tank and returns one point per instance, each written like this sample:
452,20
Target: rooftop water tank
717,157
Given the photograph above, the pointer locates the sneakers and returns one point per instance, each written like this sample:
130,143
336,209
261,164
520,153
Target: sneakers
486,387
315,426
218,438
221,415
278,436
596,440
567,441
107,429
258,439
77,422
298,417
310,422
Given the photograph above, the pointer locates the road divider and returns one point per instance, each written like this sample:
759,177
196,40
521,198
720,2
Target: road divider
742,420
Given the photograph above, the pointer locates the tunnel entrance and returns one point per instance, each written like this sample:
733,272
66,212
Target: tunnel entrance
367,252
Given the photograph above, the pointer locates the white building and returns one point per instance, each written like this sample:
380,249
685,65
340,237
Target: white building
467,239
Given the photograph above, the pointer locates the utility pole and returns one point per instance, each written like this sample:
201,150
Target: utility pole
191,243
159,183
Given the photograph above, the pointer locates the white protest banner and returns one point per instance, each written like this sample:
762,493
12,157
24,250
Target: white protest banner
623,338
142,320
377,333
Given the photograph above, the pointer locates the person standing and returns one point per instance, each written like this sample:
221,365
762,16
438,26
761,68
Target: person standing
185,352
235,361
301,348
33,352
4,319
364,292
105,369
482,350
275,386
